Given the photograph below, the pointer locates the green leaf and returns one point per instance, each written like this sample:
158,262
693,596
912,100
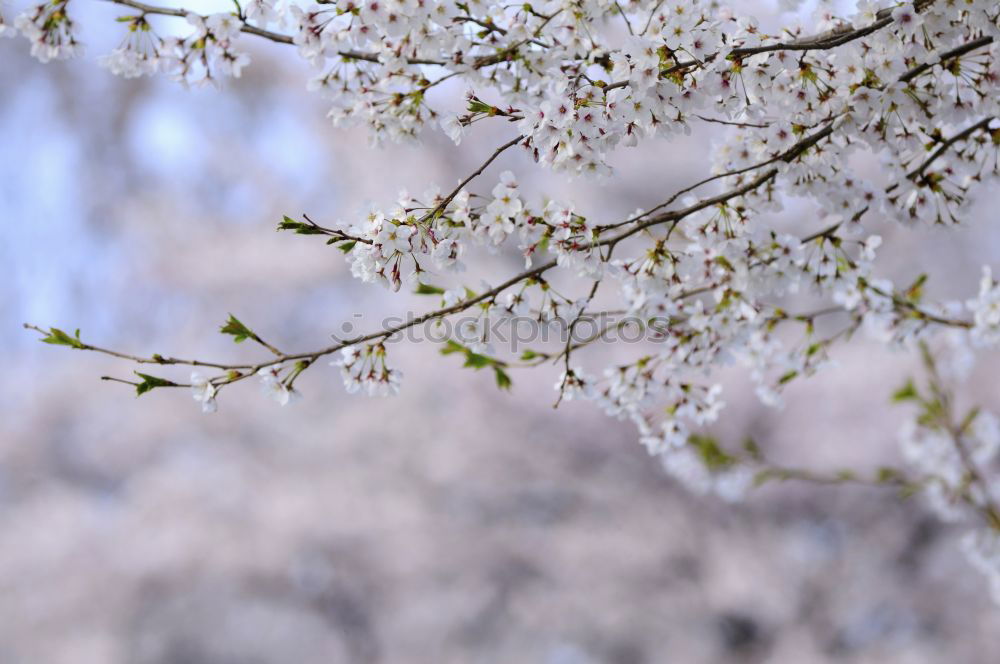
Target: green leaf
59,338
476,106
907,392
724,262
846,475
969,418
753,450
451,347
302,228
346,246
427,289
915,290
476,361
762,477
239,331
713,455
529,354
503,380
887,475
151,382
787,377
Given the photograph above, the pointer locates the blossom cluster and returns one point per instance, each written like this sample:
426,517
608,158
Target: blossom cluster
206,54
911,84
934,452
953,459
364,368
982,547
50,30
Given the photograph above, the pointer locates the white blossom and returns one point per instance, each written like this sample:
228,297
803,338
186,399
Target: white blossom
986,310
203,391
273,385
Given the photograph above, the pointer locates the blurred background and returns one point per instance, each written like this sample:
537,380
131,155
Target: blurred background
453,523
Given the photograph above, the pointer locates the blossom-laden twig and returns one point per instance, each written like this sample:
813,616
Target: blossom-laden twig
955,453
706,274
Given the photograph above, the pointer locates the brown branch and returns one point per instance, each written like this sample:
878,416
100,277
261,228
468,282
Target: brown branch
831,39
730,123
285,39
821,42
786,156
945,145
154,359
259,32
335,232
671,216
568,349
803,145
182,13
956,52
476,173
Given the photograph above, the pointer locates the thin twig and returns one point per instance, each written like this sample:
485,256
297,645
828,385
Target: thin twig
450,197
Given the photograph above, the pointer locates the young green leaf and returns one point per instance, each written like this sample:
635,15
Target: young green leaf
151,382
238,330
907,392
713,455
887,475
503,380
427,289
476,106
476,361
753,450
60,338
300,227
451,347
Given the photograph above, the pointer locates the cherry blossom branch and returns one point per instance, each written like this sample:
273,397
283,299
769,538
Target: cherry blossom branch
285,39
675,216
730,123
832,39
247,28
946,145
476,173
956,434
636,224
823,42
335,233
568,349
672,216
885,477
310,356
786,156
804,144
139,359
951,54
709,271
493,27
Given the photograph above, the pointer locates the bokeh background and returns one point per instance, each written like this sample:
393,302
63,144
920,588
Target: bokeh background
453,523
